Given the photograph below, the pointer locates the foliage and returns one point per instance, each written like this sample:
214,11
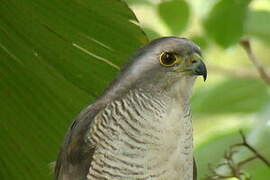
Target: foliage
258,25
169,9
225,23
56,57
236,95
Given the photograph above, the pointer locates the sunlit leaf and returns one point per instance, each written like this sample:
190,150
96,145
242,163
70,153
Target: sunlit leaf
258,25
225,22
175,14
55,58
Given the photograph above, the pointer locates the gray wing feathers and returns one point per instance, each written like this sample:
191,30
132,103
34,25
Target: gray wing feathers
75,156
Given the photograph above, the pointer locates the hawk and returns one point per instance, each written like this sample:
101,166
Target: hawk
140,128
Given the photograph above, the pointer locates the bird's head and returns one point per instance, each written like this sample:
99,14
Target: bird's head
162,64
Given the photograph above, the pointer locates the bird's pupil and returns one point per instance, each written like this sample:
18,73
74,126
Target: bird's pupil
168,59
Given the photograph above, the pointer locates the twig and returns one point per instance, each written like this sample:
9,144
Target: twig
257,154
235,167
240,164
247,47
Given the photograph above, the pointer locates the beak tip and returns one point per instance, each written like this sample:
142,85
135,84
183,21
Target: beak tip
204,77
201,70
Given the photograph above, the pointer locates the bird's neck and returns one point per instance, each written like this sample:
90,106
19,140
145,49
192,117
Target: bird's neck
180,90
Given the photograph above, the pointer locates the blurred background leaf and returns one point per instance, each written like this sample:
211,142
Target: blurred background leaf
200,40
258,25
175,14
225,22
54,55
231,96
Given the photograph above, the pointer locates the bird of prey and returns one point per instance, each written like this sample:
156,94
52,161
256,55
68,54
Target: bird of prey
140,128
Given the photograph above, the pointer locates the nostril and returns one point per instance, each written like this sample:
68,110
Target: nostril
193,61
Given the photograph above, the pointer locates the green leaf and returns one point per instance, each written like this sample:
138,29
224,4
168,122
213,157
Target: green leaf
55,58
231,96
258,25
151,34
175,14
139,2
225,22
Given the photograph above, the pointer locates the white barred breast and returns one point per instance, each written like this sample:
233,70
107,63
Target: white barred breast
142,137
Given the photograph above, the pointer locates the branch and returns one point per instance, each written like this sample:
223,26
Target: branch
247,47
257,154
235,167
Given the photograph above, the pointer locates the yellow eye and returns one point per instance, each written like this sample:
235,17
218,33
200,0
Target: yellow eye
168,59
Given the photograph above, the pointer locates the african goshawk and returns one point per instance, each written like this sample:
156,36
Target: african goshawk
140,128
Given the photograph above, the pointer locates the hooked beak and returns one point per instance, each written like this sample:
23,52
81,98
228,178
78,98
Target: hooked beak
199,69
195,66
